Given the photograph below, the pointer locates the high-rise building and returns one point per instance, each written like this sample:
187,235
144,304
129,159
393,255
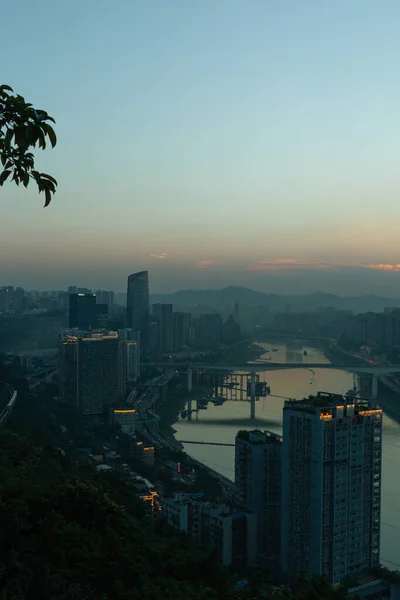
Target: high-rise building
153,334
163,314
181,330
73,289
83,311
130,355
210,328
89,370
229,531
258,486
138,305
19,300
105,297
6,297
331,486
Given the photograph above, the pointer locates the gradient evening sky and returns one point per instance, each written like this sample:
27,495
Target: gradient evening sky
214,142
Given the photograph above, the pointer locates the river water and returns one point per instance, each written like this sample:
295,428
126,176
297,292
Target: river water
221,423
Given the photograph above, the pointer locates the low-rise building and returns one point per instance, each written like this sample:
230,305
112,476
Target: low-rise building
230,531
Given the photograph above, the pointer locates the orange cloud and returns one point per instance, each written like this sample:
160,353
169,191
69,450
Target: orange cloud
384,267
161,256
280,264
204,264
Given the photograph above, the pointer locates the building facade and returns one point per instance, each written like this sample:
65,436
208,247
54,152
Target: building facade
89,370
83,311
331,486
125,418
209,329
138,305
181,330
130,355
258,477
106,297
229,531
163,313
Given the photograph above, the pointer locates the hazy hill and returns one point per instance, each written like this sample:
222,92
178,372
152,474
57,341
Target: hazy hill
219,299
215,300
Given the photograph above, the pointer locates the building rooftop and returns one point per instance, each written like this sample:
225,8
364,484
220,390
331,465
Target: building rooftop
329,406
258,437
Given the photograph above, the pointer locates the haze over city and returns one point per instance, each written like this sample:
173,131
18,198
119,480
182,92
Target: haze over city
246,143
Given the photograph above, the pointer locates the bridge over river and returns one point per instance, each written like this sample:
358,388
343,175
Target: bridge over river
255,367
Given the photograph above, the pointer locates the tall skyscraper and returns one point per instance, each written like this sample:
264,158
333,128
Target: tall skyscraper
181,330
153,334
163,314
210,328
258,477
331,486
89,370
83,311
138,305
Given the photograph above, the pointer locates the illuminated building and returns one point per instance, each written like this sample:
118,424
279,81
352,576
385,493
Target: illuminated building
145,453
125,417
229,531
89,370
138,305
258,485
146,492
130,355
331,486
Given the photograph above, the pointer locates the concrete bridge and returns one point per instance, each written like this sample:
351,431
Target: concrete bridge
256,367
275,366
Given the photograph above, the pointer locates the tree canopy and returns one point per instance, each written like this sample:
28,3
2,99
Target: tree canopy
23,128
71,533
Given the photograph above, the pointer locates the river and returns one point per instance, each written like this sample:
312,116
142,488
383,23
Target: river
221,423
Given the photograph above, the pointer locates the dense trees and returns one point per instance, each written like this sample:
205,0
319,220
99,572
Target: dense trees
65,536
22,128
70,533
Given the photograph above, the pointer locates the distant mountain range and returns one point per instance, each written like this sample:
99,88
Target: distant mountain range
209,300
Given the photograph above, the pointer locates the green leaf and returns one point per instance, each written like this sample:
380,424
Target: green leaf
52,136
6,87
49,177
42,141
8,137
25,179
3,176
48,197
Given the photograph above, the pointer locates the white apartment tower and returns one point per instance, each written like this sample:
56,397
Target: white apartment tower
331,486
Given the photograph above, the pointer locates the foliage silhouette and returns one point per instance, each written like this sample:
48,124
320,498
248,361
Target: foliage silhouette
22,128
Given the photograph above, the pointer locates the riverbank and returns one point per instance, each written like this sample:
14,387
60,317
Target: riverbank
177,396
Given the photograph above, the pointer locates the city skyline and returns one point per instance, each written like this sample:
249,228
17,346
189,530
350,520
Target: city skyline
350,281
247,147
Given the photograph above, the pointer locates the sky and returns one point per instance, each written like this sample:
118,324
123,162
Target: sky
213,142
